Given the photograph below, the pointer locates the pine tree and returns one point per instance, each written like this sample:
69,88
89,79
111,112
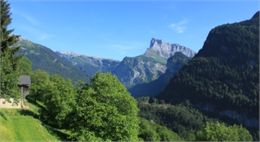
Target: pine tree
8,60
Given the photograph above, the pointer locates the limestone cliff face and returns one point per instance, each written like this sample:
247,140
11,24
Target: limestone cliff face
166,50
149,66
137,70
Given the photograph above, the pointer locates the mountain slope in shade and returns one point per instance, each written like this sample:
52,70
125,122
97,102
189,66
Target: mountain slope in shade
149,66
45,59
155,87
222,80
90,65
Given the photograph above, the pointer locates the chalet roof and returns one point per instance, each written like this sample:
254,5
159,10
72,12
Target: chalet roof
24,80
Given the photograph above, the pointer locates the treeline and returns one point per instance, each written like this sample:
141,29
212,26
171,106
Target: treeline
101,110
189,123
224,74
222,80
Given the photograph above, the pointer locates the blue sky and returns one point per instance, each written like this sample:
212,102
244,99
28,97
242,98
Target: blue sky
115,29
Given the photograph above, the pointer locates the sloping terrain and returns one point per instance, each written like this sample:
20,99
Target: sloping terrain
155,87
90,65
222,80
45,59
150,65
17,125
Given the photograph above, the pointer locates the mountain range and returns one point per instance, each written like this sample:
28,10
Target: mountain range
220,82
155,87
89,65
45,59
149,66
131,71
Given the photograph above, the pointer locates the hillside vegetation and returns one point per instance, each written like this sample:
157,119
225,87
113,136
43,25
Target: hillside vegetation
223,78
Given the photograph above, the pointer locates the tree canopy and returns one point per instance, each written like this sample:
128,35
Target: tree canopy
216,131
105,110
8,60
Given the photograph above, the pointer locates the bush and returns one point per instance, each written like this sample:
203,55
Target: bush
216,131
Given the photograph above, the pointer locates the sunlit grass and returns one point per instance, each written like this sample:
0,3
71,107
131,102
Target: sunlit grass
18,126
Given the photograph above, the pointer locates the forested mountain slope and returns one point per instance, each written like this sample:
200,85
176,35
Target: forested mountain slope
223,78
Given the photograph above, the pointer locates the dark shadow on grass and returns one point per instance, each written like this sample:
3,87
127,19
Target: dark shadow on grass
29,99
58,133
28,113
3,115
54,131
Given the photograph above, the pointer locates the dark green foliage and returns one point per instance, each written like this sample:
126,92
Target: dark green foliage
104,111
8,61
182,119
215,131
222,80
150,131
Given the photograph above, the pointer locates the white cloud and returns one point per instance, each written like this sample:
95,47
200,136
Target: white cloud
179,27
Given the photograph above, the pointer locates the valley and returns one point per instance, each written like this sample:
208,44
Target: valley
131,71
164,92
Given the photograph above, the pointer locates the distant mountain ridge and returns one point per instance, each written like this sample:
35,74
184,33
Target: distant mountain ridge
130,71
149,66
89,65
45,59
155,87
167,50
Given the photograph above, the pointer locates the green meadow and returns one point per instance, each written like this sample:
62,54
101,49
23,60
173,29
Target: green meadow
21,125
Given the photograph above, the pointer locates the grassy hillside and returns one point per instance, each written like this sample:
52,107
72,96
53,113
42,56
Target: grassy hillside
18,125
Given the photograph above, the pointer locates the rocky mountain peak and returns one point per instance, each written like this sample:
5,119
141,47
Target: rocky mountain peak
166,49
68,53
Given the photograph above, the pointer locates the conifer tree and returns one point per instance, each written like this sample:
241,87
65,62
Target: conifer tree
8,60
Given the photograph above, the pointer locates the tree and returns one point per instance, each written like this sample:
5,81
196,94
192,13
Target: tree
216,131
8,60
58,100
25,66
105,110
150,131
39,87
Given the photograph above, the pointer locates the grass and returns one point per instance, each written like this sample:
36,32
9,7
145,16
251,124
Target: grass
21,125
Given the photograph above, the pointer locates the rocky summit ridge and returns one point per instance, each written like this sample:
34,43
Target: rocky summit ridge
167,50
